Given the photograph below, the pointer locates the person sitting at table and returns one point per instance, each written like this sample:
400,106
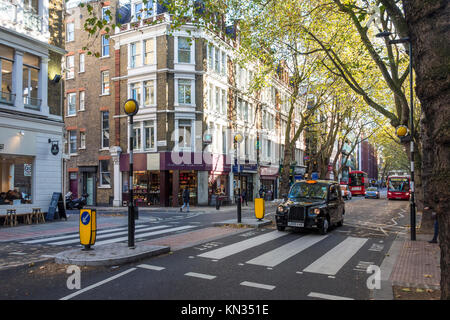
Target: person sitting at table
3,198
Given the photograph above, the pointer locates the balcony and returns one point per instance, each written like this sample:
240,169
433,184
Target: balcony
7,98
9,11
32,103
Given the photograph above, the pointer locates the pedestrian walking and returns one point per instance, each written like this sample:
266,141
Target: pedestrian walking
436,228
244,197
185,196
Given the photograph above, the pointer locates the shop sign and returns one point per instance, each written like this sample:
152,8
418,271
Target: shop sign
162,143
27,170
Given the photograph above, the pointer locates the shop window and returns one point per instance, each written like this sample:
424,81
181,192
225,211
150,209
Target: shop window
105,175
16,175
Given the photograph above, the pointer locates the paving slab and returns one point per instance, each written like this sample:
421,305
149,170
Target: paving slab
251,223
109,255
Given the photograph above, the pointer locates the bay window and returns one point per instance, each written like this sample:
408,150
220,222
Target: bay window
184,91
184,50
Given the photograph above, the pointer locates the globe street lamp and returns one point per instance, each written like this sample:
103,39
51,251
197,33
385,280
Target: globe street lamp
401,132
131,107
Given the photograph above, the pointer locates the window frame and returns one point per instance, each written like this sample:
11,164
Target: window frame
103,129
185,50
82,140
73,134
101,172
105,46
70,67
81,63
69,98
68,33
149,124
82,101
184,82
104,91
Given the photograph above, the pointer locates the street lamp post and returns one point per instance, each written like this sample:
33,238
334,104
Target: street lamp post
131,108
411,135
237,140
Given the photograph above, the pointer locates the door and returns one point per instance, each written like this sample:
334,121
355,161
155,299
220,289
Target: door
73,184
333,204
90,188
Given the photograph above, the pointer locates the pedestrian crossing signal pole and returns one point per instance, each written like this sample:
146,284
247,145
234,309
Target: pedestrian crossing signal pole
131,108
237,140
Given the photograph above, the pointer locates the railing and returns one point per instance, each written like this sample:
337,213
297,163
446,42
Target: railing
32,103
8,11
32,21
7,97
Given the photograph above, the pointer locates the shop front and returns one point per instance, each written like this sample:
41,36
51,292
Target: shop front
219,180
29,171
247,176
269,178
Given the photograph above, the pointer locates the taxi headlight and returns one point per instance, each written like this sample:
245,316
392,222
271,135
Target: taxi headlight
316,211
281,209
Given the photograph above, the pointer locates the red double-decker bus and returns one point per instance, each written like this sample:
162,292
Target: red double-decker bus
358,181
398,187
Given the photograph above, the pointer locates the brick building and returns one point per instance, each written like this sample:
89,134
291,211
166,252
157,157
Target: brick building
193,99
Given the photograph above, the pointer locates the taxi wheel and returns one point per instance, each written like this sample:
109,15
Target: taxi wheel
324,227
341,223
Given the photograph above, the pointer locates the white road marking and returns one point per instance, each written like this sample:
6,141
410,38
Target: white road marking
143,235
200,275
278,255
70,296
327,296
257,285
77,235
150,267
242,245
108,235
336,258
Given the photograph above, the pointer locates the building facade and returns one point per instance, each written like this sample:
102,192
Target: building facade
31,126
193,99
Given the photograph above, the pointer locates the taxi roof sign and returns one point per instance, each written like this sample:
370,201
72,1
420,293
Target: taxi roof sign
311,181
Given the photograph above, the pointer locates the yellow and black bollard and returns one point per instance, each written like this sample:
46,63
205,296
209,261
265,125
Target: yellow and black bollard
88,228
260,208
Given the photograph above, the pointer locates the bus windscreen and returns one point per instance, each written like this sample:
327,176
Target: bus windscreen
398,185
356,179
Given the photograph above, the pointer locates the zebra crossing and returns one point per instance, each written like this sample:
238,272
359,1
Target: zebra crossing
114,235
339,251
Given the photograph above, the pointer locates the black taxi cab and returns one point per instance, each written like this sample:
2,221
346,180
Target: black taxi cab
312,204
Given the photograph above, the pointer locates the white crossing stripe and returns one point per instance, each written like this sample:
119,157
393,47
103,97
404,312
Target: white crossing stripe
150,267
108,235
200,275
242,245
76,235
327,296
278,255
143,235
336,258
257,285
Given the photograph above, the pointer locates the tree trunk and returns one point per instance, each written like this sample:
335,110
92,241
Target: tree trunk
428,23
285,175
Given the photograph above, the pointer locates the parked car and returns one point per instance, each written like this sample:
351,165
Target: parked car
346,193
312,204
372,192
